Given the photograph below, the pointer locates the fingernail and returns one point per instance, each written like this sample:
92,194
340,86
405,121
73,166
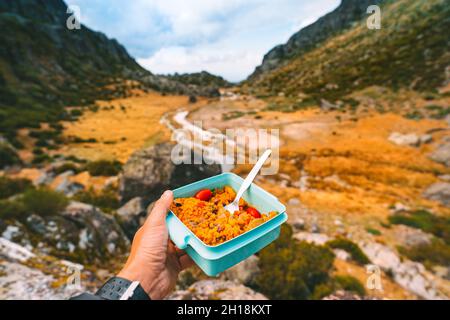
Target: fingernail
166,194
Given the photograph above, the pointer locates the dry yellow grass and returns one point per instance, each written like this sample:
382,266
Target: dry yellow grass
31,174
373,172
121,132
351,147
376,172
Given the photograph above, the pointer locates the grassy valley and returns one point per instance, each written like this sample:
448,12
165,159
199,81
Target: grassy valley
361,116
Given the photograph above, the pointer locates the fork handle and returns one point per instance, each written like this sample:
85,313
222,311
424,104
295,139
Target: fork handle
249,179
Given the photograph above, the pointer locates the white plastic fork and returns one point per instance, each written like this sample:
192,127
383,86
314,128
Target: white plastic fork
234,206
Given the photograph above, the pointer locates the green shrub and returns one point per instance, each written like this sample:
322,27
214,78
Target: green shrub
349,283
93,108
424,220
81,140
56,126
75,159
434,253
37,151
305,103
232,115
44,202
42,143
8,156
414,115
293,270
352,103
43,134
16,143
107,200
322,290
10,187
373,231
66,167
104,168
41,158
12,209
442,113
186,279
352,248
76,112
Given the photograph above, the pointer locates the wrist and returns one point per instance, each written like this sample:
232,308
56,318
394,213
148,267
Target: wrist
118,288
147,281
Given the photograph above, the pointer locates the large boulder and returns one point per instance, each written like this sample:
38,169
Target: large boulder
347,295
150,171
32,276
99,235
82,233
440,192
410,275
311,237
442,153
410,139
216,290
22,282
328,106
244,272
131,216
411,237
63,184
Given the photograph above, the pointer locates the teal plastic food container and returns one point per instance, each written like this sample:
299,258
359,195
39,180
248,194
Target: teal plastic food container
215,259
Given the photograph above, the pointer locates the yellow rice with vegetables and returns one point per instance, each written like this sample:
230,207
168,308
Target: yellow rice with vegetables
205,216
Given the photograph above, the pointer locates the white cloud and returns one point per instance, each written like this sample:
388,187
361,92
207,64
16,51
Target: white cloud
232,65
227,37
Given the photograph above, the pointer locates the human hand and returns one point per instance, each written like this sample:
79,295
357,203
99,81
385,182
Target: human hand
154,260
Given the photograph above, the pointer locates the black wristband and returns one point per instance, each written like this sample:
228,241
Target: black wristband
116,287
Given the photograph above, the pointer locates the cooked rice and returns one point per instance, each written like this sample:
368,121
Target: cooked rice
210,222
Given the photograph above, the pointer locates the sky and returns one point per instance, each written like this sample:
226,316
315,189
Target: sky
225,37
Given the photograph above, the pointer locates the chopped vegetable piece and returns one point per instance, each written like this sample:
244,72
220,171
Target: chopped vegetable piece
204,195
253,212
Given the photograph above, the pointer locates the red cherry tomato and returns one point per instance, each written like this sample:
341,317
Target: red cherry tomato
204,195
253,212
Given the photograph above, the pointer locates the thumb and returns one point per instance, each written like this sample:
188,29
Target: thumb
158,214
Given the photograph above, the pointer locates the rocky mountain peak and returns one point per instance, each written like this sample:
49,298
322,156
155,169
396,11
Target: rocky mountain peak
46,11
348,12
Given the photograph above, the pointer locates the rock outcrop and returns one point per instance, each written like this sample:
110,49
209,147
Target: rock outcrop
132,216
244,272
309,37
21,278
20,282
411,237
99,235
82,233
345,295
410,275
311,237
410,139
150,171
440,192
216,290
442,153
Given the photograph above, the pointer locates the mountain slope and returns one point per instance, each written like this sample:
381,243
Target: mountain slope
411,50
343,17
200,79
44,66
